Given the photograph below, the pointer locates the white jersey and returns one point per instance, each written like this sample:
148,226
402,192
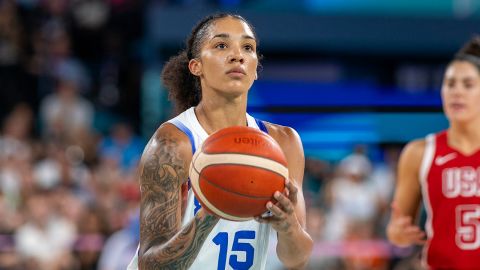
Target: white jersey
230,245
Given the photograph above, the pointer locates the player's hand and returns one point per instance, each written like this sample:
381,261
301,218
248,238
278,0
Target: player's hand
402,232
282,214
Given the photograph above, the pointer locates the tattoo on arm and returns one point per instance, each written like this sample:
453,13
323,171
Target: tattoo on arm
164,244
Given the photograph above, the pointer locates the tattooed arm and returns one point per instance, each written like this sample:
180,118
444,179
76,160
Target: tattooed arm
164,243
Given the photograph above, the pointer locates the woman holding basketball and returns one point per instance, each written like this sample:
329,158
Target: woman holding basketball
444,169
209,82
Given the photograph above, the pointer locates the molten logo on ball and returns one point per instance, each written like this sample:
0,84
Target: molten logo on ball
246,140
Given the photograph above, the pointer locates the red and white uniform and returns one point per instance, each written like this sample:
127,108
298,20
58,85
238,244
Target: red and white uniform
450,184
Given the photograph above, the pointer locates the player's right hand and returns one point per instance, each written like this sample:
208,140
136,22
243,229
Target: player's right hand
401,232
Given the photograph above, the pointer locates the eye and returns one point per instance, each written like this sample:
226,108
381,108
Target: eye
249,48
450,83
221,46
469,85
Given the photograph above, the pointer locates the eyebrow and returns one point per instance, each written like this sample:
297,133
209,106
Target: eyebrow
468,78
225,35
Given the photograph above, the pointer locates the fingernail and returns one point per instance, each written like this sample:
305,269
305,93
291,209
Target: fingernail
287,181
269,205
276,194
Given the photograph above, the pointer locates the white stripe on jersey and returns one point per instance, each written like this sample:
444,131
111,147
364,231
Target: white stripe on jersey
427,160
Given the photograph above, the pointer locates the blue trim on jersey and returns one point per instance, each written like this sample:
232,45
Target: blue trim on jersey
261,125
187,131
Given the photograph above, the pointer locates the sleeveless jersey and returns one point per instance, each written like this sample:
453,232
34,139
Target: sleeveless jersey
230,245
451,192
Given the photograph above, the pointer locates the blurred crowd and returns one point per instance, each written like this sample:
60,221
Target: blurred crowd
69,149
348,207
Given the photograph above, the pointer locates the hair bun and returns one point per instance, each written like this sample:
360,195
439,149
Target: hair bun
472,47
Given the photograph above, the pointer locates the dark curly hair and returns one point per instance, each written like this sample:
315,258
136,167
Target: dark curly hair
470,52
183,86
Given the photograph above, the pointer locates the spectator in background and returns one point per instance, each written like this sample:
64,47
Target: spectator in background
65,112
355,206
10,220
316,173
16,154
14,84
383,178
92,229
62,166
44,242
122,146
10,34
351,196
66,115
121,246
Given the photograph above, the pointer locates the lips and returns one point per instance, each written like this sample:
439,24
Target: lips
236,70
457,106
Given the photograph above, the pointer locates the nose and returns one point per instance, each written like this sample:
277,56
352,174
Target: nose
456,90
236,56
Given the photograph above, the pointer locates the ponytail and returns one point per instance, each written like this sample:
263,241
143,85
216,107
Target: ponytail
183,86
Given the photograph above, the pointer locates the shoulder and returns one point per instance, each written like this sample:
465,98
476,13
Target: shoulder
168,144
414,150
168,133
282,134
411,158
290,142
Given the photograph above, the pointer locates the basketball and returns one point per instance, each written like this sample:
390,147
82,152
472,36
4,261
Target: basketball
236,171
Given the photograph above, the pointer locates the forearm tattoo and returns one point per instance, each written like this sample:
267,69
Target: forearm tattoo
164,244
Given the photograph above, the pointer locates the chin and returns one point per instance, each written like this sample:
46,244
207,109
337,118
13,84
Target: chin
238,89
459,118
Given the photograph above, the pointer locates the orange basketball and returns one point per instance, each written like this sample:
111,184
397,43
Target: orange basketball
236,171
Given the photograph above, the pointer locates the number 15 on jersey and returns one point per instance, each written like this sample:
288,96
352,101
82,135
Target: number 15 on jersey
240,248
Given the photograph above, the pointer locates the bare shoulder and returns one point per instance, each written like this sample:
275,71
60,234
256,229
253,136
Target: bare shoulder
290,142
168,145
282,134
413,152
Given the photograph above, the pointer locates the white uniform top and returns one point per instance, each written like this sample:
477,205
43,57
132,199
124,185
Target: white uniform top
230,245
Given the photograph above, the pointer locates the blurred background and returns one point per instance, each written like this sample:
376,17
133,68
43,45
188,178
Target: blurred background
80,94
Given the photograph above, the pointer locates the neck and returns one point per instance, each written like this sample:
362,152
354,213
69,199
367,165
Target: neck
465,137
215,114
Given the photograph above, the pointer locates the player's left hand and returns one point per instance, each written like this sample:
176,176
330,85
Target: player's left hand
282,214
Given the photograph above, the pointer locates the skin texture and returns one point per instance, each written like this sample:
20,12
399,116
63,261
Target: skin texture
227,68
460,96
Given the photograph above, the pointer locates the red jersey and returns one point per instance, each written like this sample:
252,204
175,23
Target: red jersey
451,192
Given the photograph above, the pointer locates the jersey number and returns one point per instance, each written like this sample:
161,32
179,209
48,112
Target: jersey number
468,226
221,239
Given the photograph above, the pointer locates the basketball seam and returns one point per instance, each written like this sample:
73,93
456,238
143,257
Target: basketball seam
283,168
240,153
242,164
209,204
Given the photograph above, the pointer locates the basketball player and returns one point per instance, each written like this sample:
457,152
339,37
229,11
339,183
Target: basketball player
444,169
209,82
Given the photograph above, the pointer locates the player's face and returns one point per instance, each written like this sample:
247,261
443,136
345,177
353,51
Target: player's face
228,58
461,92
